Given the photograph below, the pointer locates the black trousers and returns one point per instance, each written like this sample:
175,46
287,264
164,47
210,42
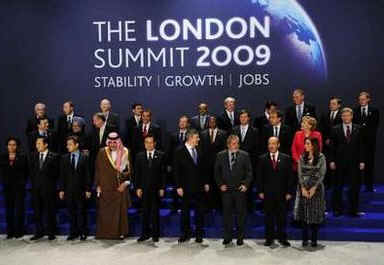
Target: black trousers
346,174
44,205
151,213
234,202
14,196
77,209
275,209
188,200
315,231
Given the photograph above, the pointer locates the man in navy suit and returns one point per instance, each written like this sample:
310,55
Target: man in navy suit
200,122
230,117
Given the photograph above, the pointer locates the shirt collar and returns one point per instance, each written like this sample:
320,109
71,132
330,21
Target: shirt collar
44,153
276,154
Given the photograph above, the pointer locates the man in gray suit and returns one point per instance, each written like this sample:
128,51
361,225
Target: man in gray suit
233,175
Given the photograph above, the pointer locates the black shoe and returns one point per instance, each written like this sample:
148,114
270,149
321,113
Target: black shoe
305,244
240,242
37,237
199,239
336,213
314,244
354,214
72,237
10,236
268,243
284,243
51,237
83,237
184,238
227,241
19,236
143,238
155,239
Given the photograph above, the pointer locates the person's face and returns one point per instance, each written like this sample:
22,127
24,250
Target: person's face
138,110
333,105
41,146
105,105
363,100
347,117
113,145
271,109
308,147
149,144
12,146
72,146
194,140
273,145
183,123
76,128
43,125
244,119
146,117
67,108
230,105
274,119
40,110
98,122
212,122
203,109
305,126
298,98
233,146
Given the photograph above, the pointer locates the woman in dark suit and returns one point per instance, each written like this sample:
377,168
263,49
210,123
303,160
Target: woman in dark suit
14,172
310,202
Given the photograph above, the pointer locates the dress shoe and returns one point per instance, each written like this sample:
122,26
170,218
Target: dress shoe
199,239
10,236
155,239
305,244
72,237
284,243
240,242
51,237
354,214
314,244
37,237
268,243
227,241
184,238
336,213
83,237
143,238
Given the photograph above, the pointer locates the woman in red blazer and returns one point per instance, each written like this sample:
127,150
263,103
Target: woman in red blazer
308,129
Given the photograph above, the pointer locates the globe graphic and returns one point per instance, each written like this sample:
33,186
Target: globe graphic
298,37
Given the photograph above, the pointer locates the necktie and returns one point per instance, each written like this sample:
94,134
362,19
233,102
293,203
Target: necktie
145,131
211,136
299,113
194,155
73,162
333,115
181,137
348,133
150,159
364,113
202,122
276,132
233,159
274,163
231,118
41,161
243,134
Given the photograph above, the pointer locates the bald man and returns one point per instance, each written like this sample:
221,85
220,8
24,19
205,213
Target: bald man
276,187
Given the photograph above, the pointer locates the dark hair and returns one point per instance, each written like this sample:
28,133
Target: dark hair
270,103
150,136
73,138
136,104
100,116
70,103
184,116
191,132
16,140
339,100
44,138
42,119
278,113
244,111
148,111
316,151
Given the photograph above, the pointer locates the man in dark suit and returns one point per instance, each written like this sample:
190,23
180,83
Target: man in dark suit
347,156
276,187
98,138
64,125
200,122
191,182
261,121
233,175
112,119
212,141
44,174
230,117
133,122
278,129
150,171
295,113
249,142
146,127
40,111
328,120
42,130
177,139
75,187
368,118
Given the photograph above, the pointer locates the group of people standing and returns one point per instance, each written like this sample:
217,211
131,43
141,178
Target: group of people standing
212,161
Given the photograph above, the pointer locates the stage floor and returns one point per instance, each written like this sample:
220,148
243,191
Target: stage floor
169,252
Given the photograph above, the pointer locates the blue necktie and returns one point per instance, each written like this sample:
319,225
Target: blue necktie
194,156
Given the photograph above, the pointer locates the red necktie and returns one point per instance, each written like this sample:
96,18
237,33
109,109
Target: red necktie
348,133
274,163
145,132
